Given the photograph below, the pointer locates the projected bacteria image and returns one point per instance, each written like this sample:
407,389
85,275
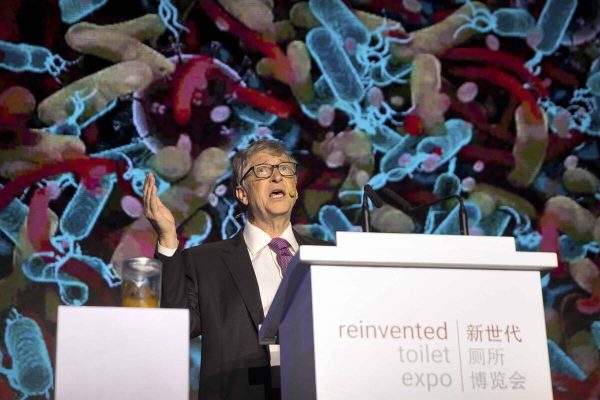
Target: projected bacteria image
496,101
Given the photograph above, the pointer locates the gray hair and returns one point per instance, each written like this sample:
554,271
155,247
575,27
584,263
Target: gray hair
241,158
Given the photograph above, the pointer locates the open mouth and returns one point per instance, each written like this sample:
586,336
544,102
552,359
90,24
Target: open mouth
277,194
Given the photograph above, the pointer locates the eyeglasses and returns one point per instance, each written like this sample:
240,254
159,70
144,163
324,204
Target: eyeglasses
263,171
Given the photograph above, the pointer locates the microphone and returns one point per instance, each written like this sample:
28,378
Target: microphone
291,190
407,208
369,193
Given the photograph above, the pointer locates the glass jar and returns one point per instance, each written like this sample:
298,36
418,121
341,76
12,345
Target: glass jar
141,282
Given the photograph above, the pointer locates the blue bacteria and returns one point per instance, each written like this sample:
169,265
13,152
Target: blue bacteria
31,372
552,26
76,223
450,224
385,138
12,218
46,267
561,362
72,11
83,210
331,220
28,58
340,75
254,116
336,17
511,22
368,51
458,134
352,61
553,23
6,249
494,224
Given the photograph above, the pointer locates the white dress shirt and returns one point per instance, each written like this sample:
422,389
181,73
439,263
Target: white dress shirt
264,263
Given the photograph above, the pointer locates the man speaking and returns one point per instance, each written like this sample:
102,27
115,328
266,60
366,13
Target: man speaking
228,286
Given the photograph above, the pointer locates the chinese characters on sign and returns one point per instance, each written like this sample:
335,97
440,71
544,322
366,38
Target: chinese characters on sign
486,357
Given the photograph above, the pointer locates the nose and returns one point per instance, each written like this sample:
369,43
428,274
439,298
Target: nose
276,176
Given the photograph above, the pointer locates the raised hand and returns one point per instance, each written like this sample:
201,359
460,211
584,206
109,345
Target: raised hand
160,217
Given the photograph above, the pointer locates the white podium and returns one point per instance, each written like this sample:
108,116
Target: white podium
404,316
119,353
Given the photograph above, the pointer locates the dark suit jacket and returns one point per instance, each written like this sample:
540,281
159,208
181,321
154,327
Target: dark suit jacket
216,282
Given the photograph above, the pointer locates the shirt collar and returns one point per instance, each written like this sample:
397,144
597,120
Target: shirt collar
256,239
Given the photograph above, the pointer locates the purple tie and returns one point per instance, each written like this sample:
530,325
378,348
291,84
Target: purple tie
281,247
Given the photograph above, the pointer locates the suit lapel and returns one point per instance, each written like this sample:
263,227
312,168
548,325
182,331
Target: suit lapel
238,261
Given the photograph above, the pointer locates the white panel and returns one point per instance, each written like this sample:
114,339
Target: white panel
122,353
440,337
420,242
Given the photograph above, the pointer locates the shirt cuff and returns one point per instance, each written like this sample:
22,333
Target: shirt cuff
165,251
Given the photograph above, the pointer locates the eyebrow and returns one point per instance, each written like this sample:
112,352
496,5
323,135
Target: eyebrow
272,163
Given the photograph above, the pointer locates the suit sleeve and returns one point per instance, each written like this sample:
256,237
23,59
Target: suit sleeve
180,283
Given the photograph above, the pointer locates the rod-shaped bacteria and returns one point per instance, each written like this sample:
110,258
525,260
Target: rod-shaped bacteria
333,220
562,363
504,198
12,218
83,210
494,224
335,65
458,134
143,28
109,83
115,46
24,57
450,225
390,219
31,371
336,17
552,25
74,10
425,87
257,15
515,22
530,147
579,180
570,217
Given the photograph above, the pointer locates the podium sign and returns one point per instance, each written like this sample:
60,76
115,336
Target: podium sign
428,319
430,334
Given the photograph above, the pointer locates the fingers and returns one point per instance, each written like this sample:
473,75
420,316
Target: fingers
153,200
147,198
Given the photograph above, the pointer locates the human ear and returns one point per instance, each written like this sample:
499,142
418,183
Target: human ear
241,195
